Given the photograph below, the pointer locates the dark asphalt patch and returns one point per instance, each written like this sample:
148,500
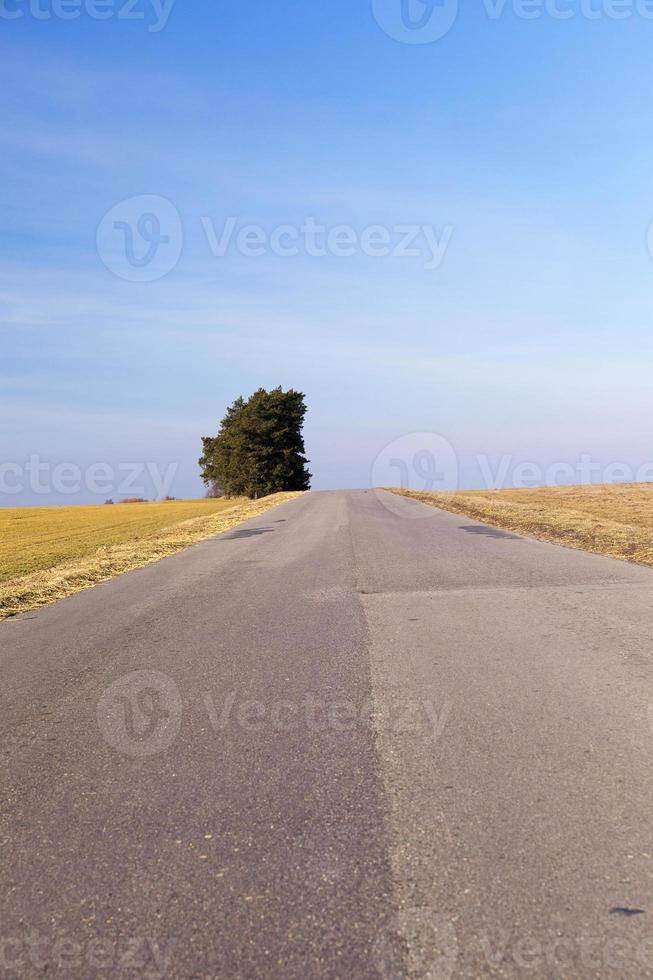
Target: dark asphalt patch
489,532
248,533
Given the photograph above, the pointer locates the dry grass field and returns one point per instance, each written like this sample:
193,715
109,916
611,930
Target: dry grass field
614,520
47,553
36,538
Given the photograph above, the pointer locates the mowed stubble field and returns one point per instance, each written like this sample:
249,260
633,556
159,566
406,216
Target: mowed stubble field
615,519
36,538
48,553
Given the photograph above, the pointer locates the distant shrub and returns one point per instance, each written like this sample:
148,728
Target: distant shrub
134,500
169,498
109,501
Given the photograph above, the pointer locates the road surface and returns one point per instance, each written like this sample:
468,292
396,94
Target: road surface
356,737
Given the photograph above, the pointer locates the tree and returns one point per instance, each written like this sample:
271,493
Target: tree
219,461
259,448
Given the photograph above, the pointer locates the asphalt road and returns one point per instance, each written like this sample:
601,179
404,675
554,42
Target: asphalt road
355,738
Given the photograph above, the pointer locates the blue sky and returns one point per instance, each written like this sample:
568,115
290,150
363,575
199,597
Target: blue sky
528,139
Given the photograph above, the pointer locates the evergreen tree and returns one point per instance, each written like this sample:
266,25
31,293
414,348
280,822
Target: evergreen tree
259,448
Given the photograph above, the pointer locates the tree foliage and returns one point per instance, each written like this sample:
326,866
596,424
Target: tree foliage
259,448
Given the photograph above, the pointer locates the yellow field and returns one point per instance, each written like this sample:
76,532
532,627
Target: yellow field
614,520
47,553
36,538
